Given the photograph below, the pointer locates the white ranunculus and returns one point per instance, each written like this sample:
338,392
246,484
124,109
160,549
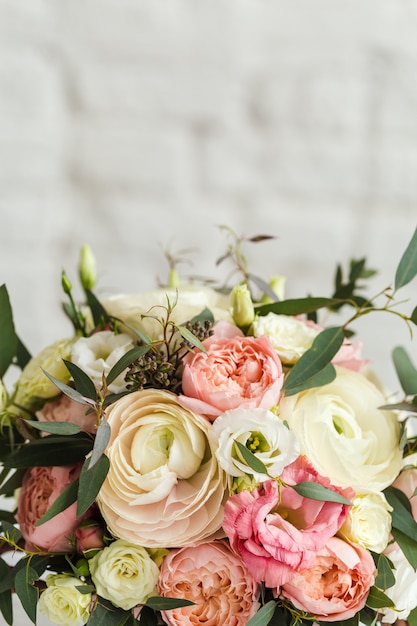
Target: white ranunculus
369,521
97,354
190,301
344,433
262,433
62,603
404,592
124,573
290,336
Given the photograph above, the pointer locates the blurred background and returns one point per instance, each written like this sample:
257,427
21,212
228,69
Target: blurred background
137,125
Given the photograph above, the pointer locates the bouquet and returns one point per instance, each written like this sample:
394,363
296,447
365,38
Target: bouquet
209,455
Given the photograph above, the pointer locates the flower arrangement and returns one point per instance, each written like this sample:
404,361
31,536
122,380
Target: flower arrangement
209,456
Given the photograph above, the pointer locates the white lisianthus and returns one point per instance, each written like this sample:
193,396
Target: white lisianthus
404,591
97,354
369,521
263,433
290,336
62,603
33,386
343,432
124,573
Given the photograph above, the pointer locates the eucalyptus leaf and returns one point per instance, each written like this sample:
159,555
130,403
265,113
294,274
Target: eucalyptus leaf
264,615
400,406
82,382
412,617
159,603
98,312
11,531
377,599
100,442
8,337
69,391
6,606
407,545
323,377
106,616
26,592
407,267
385,577
126,360
401,516
90,482
51,450
315,491
205,316
188,336
413,317
297,306
251,459
406,372
55,428
23,355
63,501
316,359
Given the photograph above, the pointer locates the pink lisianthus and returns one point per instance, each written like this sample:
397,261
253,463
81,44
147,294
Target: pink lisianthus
41,486
335,585
277,531
215,579
63,409
235,371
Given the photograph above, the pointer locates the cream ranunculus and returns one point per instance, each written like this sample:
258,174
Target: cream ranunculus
62,603
164,486
368,522
290,336
124,573
343,432
263,433
190,301
97,354
33,387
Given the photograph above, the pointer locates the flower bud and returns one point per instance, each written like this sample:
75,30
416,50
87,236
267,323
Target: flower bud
89,537
87,268
277,284
242,306
66,283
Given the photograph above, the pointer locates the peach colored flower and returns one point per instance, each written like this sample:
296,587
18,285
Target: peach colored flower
235,371
164,486
215,579
40,488
277,531
63,409
336,585
89,536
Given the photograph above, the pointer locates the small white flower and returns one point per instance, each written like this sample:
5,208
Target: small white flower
290,336
62,603
262,433
369,521
98,353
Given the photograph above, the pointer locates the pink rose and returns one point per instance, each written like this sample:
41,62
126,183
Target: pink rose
278,532
89,536
63,409
40,488
336,585
215,579
235,371
350,357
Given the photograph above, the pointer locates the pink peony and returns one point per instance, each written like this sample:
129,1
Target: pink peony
63,409
235,371
336,585
215,579
278,532
40,488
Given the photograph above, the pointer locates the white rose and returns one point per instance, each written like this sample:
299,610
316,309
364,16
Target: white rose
404,592
290,336
97,354
62,603
343,432
124,573
263,433
368,522
190,301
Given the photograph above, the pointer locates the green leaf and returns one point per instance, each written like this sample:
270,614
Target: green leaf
51,450
98,312
324,377
251,459
297,306
413,317
401,516
100,442
412,617
69,391
6,606
407,545
11,531
316,491
407,267
26,592
147,617
104,615
385,577
56,428
406,372
63,501
205,316
8,337
188,336
315,360
377,599
23,356
126,360
159,603
264,615
83,383
90,482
